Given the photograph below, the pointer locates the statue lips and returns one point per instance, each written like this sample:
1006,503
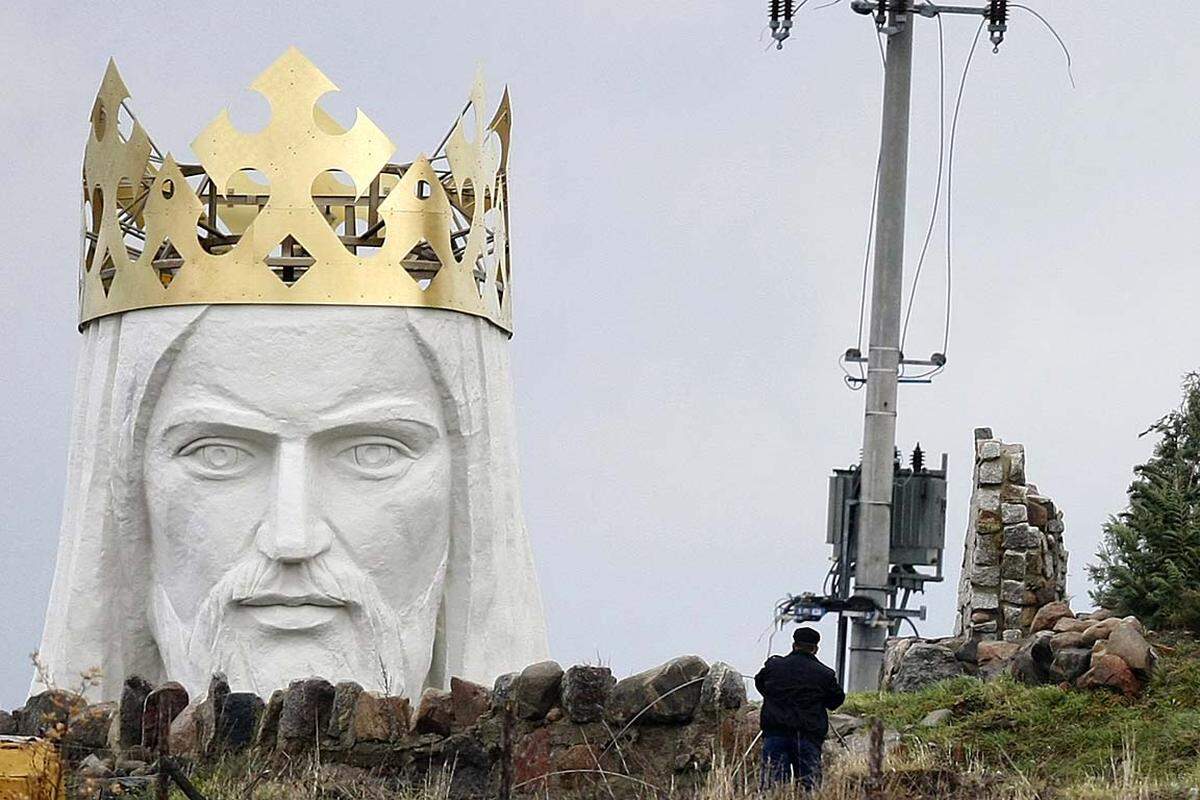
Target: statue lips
291,612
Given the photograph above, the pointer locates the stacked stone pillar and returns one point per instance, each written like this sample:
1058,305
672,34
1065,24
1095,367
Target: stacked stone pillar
1014,561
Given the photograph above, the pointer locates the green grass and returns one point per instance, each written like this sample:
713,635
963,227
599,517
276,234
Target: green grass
1051,735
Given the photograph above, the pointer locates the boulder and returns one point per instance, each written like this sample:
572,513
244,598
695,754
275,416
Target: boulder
339,732
1110,672
936,718
185,740
668,693
1034,660
1071,625
87,729
435,713
1127,642
1070,663
1050,614
169,700
379,719
8,724
723,689
585,691
502,690
893,654
238,722
469,701
1067,639
94,767
994,657
1100,630
127,724
925,664
304,715
46,711
266,736
536,689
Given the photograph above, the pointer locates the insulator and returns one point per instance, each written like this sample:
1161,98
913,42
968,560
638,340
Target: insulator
918,458
774,11
788,9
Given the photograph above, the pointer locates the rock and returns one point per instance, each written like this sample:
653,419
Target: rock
185,740
48,712
555,714
87,729
1015,463
1013,592
986,600
267,734
1021,537
341,715
531,759
722,690
304,715
1070,662
1034,660
502,690
8,724
991,472
1067,640
238,723
1101,614
925,664
537,688
1012,513
169,699
986,575
1069,625
93,766
1110,672
379,719
435,713
968,652
1012,635
1128,643
1013,565
585,692
936,718
667,693
989,448
1100,630
1048,615
893,654
1038,516
1135,622
127,724
469,701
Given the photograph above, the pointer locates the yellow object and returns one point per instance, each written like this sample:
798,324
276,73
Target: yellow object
303,211
30,769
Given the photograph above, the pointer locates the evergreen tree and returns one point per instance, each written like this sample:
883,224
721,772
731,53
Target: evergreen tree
1149,563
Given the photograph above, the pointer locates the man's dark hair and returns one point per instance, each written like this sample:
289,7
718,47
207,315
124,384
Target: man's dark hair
806,639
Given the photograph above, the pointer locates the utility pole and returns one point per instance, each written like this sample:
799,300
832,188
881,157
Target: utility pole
872,567
869,634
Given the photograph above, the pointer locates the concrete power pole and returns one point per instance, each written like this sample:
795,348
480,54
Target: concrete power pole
869,634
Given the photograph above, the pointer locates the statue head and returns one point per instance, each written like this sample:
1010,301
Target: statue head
316,476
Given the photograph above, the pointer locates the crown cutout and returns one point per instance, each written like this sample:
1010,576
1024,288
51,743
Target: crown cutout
302,212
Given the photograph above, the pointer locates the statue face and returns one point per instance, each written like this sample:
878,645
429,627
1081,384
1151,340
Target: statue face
297,480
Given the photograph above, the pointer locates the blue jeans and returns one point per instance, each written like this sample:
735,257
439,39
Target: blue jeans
790,757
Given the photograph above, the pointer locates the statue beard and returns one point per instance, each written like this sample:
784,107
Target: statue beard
384,649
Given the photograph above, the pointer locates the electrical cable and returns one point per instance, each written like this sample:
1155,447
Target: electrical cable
1049,27
937,192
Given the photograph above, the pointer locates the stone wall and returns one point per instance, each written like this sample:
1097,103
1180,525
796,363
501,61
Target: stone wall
1014,561
539,732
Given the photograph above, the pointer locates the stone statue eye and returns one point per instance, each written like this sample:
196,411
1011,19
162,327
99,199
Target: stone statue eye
376,457
217,457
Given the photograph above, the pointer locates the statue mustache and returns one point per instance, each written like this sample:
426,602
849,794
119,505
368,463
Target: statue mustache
260,581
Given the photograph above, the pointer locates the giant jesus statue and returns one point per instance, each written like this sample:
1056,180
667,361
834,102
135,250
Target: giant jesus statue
293,449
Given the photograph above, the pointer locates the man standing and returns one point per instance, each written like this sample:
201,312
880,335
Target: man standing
798,692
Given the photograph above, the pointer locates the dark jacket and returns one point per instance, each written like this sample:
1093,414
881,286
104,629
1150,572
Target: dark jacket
798,691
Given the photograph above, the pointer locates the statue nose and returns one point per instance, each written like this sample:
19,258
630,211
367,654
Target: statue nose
290,532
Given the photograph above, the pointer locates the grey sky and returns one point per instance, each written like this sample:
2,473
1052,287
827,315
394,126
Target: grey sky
689,214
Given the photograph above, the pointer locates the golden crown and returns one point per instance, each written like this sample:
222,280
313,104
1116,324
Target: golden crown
302,212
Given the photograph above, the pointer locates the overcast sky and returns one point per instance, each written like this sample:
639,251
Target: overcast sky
688,220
